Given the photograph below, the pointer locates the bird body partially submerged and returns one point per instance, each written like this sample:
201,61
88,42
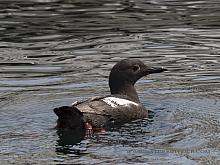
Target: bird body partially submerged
120,107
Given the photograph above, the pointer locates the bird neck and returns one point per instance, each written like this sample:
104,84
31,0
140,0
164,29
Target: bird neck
125,89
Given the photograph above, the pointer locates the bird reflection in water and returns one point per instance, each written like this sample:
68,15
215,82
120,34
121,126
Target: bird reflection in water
69,141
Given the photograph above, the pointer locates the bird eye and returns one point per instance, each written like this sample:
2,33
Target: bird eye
136,68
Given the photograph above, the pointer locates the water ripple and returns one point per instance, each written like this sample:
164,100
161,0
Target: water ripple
54,52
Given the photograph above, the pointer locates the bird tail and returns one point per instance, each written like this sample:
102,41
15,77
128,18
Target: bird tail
69,117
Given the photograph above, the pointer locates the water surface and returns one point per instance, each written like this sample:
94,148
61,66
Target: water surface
55,52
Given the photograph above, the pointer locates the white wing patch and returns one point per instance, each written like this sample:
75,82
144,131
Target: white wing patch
114,102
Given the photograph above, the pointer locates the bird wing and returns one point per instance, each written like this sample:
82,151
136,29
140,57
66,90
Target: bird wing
104,111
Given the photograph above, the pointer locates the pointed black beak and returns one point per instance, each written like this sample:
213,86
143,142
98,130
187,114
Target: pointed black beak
155,70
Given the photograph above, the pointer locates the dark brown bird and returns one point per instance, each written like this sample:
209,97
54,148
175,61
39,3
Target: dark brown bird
120,107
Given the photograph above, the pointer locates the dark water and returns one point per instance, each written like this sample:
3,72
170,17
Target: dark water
55,52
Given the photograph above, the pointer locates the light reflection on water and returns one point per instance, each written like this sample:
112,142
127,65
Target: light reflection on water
55,52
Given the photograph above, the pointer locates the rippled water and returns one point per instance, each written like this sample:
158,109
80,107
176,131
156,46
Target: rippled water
55,52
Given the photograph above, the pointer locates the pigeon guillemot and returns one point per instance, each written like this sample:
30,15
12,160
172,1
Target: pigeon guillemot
121,106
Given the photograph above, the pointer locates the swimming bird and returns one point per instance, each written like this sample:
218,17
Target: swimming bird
121,106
